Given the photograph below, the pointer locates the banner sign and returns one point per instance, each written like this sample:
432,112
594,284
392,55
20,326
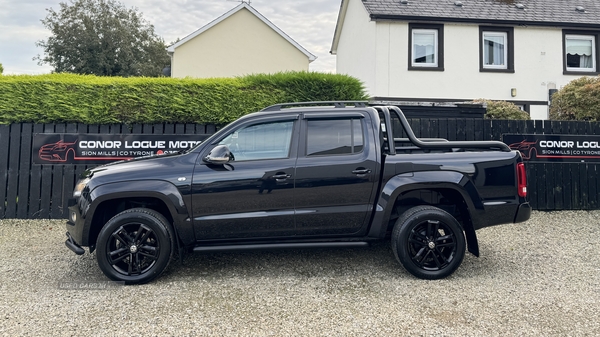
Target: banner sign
560,148
74,148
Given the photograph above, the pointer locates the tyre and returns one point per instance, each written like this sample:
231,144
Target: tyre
428,242
135,246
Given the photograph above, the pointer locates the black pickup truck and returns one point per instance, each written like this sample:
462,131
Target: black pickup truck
300,175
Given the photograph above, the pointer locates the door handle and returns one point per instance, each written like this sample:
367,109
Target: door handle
281,176
361,171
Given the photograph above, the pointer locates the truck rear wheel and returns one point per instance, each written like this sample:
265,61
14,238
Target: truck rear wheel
135,246
428,242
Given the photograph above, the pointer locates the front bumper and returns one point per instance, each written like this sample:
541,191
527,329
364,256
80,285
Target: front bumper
72,245
75,228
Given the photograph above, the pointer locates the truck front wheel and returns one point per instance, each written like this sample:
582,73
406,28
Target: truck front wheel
428,242
135,246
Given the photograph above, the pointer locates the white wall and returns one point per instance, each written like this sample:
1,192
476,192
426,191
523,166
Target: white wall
538,60
356,48
537,54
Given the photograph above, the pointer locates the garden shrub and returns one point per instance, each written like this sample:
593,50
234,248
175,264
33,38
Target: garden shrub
503,110
578,100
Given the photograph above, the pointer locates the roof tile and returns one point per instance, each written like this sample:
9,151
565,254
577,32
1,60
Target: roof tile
538,11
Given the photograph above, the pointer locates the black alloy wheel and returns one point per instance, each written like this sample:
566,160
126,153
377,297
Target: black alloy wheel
428,242
135,246
430,247
133,249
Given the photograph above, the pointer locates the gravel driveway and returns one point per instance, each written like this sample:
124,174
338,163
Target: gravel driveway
537,278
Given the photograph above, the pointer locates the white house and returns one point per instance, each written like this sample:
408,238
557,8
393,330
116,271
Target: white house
460,50
239,42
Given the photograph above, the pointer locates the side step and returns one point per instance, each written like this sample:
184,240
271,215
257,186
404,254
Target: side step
271,246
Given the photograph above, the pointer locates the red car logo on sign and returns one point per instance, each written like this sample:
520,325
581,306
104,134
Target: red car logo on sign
57,152
527,149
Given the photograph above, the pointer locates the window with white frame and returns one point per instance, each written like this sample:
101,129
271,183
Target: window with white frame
580,52
426,47
495,50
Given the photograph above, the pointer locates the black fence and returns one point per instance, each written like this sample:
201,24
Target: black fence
551,185
32,191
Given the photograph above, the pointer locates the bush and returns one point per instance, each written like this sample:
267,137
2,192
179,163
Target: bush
503,110
59,98
578,100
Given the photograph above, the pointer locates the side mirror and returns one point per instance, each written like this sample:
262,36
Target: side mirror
220,155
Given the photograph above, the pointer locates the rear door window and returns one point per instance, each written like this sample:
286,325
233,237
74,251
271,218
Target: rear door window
334,137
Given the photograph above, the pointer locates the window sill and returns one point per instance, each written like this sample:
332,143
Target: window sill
427,68
489,70
580,73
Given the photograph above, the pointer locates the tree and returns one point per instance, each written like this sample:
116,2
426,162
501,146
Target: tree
101,37
1,69
578,100
503,110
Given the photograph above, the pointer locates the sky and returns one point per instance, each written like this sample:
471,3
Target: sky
311,23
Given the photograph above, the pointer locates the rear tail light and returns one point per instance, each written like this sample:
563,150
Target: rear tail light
521,180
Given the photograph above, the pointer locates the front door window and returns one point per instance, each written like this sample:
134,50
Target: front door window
260,141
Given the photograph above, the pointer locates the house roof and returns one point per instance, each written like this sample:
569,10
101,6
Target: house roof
241,6
522,12
561,13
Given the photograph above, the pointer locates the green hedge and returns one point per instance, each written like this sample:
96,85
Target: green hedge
58,98
578,100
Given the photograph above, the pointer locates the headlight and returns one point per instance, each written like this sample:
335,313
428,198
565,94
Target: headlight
79,187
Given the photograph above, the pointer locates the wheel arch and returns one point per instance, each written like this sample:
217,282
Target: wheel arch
434,188
110,199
